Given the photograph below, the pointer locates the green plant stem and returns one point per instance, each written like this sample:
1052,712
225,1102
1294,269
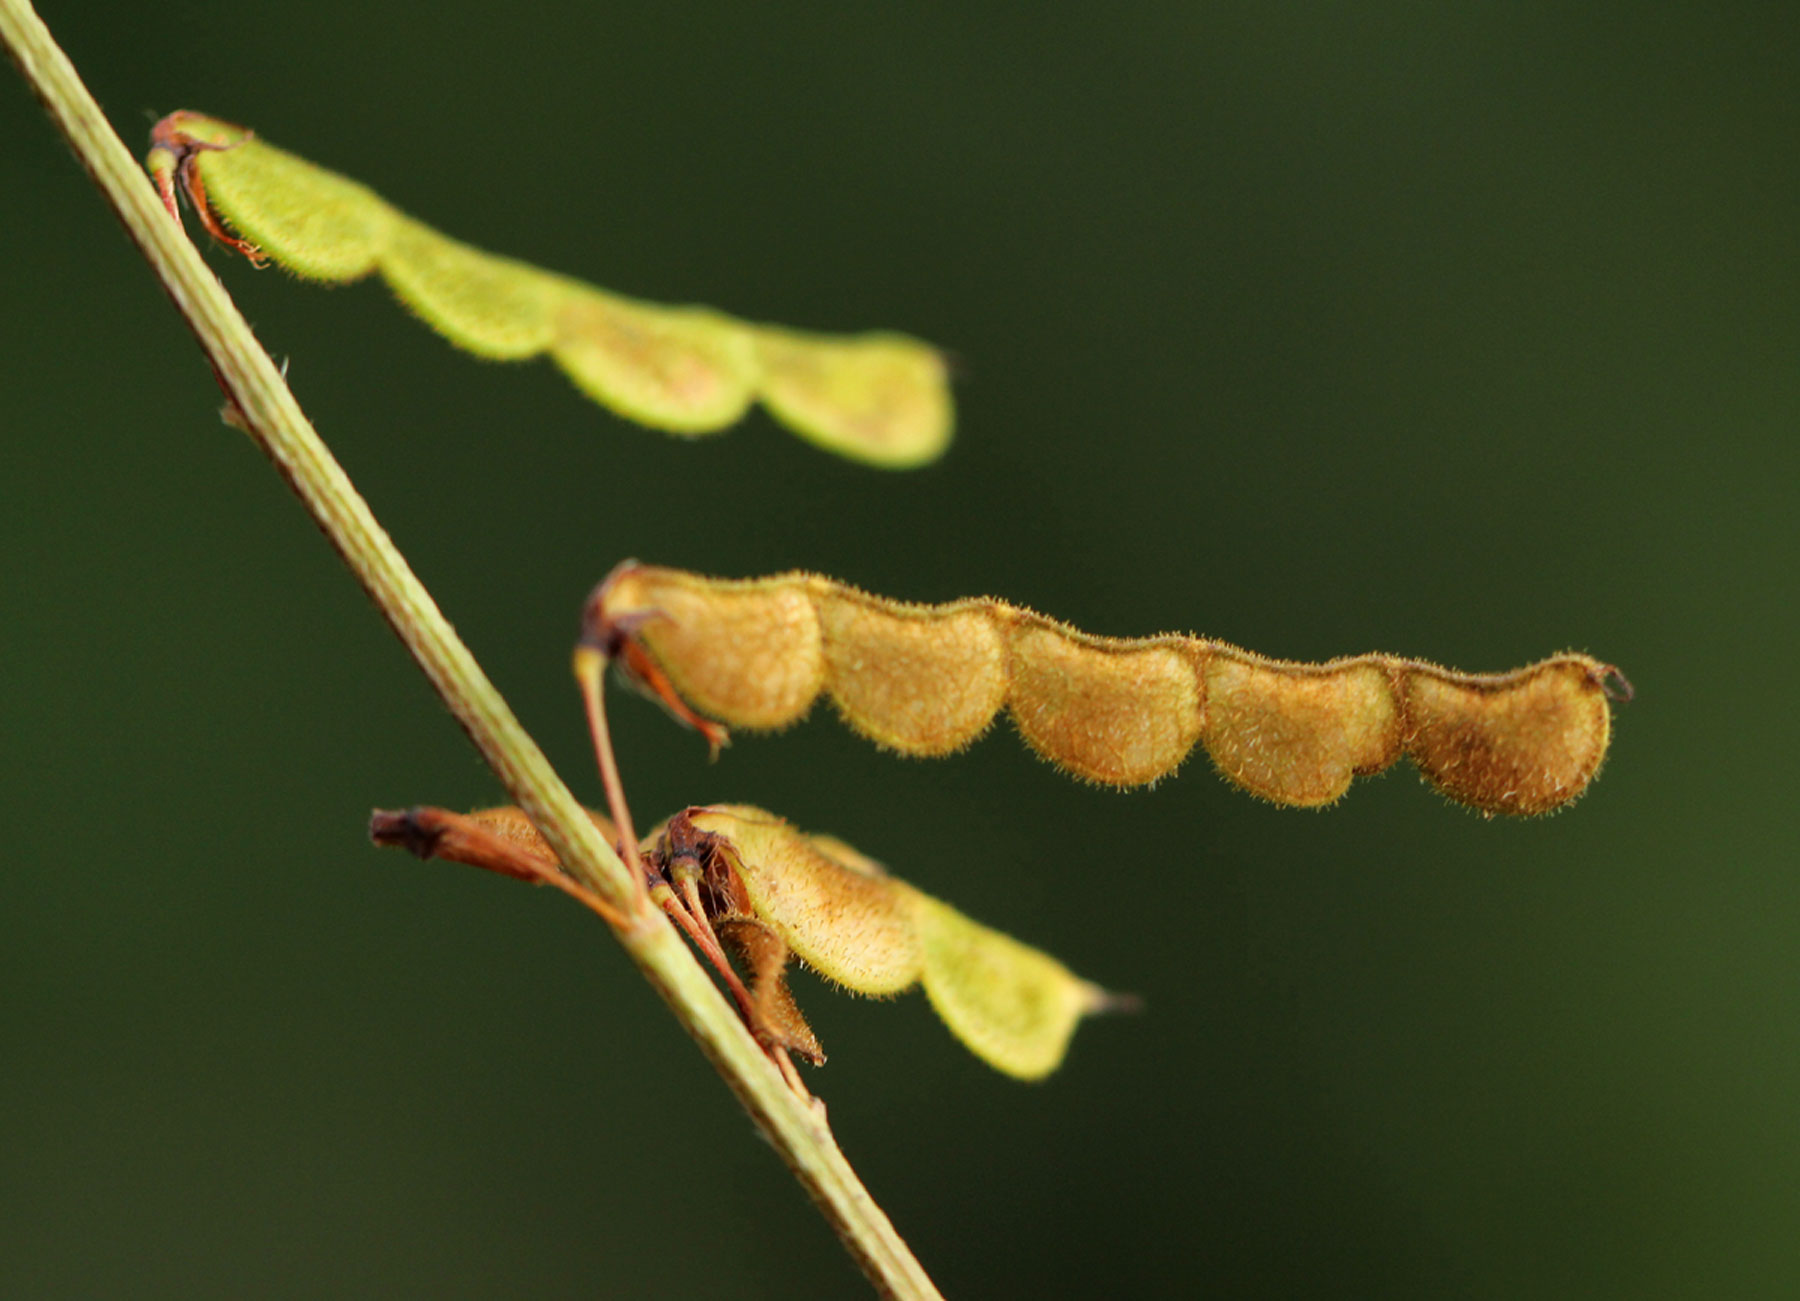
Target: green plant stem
273,418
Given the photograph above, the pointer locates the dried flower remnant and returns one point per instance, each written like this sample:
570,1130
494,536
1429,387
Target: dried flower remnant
930,679
880,397
770,893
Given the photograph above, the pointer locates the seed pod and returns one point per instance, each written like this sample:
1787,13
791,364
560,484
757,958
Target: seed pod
771,892
880,397
844,916
929,679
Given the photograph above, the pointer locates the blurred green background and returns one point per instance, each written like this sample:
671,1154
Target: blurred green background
1466,332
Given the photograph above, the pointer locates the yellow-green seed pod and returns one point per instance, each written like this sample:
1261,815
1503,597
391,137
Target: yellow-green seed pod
846,918
880,398
1012,1006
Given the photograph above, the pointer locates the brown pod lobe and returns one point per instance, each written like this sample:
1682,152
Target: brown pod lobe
918,680
1517,743
748,652
1297,735
1117,714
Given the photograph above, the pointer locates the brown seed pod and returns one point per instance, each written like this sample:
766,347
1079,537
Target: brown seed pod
929,679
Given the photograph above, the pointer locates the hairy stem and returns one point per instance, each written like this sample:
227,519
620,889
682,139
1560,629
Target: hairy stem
267,409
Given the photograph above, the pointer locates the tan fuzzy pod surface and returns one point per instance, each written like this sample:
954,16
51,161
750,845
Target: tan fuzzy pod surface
927,679
1526,743
750,653
917,680
844,923
1298,737
1110,714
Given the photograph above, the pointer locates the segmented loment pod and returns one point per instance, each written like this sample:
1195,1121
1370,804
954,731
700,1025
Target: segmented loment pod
879,397
771,893
930,679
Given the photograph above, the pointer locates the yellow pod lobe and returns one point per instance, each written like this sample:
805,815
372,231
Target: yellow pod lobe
687,370
1117,715
880,398
918,680
1298,735
317,224
847,921
1010,1004
1519,743
492,306
746,653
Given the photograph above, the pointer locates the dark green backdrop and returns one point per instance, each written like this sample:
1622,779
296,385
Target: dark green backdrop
1461,331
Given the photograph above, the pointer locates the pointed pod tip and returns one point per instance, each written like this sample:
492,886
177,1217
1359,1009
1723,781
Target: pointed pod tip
1104,1002
1615,684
